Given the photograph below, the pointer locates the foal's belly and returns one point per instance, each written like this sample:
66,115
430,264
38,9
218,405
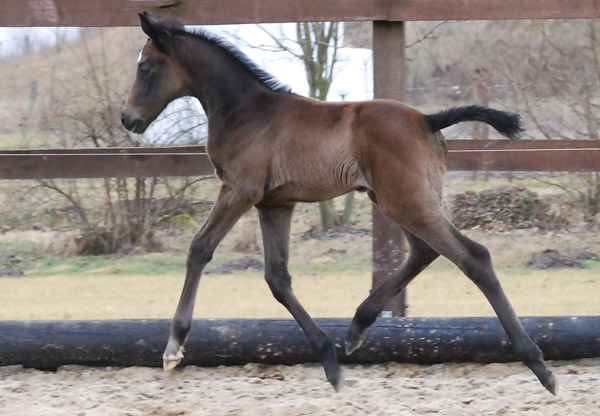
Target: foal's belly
292,193
315,185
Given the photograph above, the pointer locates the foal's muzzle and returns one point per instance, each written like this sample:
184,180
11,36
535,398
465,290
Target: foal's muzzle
133,124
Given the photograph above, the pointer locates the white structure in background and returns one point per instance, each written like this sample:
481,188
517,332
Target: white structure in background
182,122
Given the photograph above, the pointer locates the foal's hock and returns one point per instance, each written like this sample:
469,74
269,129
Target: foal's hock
272,148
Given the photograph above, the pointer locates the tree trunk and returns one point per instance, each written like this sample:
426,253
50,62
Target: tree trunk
327,215
348,203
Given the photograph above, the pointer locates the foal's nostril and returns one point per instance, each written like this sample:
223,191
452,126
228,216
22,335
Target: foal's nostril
132,123
125,121
137,126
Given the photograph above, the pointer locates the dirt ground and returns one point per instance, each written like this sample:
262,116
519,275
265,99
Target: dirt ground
388,389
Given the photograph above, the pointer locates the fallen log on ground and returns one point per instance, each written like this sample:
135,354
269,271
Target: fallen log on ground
50,344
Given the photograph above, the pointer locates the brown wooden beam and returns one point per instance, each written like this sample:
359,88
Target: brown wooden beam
524,155
455,145
104,163
124,12
463,155
106,150
389,81
533,160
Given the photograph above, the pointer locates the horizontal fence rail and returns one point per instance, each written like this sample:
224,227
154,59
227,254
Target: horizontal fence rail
104,163
524,155
463,155
124,12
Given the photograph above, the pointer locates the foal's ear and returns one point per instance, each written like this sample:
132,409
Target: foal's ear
155,30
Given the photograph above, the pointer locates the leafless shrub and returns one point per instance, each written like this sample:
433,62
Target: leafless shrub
121,213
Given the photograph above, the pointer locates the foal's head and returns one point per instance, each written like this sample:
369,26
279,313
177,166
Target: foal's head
159,80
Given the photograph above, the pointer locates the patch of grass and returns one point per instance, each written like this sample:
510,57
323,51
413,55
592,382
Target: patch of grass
28,141
591,264
149,264
19,254
181,220
337,267
160,263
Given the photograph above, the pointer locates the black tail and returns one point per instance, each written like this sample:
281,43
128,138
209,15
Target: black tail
507,124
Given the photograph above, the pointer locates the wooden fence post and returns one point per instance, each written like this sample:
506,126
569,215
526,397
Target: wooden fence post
389,82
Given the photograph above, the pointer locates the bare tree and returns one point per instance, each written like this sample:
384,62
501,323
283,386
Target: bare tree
319,42
557,83
123,212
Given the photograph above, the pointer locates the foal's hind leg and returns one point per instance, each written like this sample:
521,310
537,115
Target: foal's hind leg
421,255
228,208
275,225
475,261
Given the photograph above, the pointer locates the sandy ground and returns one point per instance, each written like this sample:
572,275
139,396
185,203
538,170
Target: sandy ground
437,292
398,389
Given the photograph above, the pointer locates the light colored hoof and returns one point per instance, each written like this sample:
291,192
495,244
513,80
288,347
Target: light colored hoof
170,361
352,345
169,365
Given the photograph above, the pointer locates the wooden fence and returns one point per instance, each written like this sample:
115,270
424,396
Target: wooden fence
463,155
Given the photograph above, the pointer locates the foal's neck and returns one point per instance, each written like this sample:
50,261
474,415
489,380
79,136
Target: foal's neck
222,84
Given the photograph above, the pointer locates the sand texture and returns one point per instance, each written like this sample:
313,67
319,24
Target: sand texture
387,389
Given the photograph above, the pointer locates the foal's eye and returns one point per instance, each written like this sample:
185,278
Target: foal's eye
144,69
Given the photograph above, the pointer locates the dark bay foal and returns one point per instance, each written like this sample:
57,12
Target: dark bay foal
272,149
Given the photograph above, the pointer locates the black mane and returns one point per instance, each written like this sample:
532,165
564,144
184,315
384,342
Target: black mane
270,81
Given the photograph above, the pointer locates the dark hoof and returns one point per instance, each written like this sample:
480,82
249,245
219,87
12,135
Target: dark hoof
332,368
336,378
353,341
551,384
545,376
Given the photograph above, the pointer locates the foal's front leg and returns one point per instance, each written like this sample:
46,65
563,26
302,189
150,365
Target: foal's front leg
228,208
275,225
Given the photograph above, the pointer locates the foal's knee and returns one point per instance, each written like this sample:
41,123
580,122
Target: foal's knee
199,255
477,263
422,255
479,254
279,280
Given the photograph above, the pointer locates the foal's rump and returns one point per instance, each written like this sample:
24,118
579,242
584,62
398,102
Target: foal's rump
404,154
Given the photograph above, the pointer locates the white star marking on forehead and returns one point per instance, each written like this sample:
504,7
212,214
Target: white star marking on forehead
139,56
